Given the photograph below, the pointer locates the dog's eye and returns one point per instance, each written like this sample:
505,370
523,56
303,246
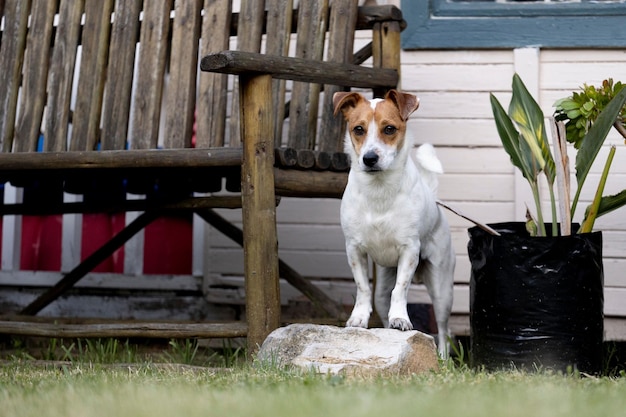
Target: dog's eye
359,130
390,130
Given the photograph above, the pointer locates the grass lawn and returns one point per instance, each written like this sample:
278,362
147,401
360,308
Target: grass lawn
93,389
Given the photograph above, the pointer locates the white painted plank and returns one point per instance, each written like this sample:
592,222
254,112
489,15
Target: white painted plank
133,249
444,77
582,55
614,272
458,105
483,211
614,243
474,187
298,211
457,56
320,264
467,160
568,75
71,235
614,304
11,230
454,131
294,237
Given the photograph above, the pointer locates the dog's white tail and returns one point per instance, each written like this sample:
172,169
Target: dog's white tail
428,165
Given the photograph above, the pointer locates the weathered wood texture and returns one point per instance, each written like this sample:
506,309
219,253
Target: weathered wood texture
137,329
107,94
61,75
300,69
213,88
260,242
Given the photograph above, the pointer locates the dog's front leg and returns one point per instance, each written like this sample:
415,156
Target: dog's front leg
363,304
398,314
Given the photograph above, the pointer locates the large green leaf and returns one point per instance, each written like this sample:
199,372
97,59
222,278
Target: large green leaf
612,202
593,140
510,139
525,111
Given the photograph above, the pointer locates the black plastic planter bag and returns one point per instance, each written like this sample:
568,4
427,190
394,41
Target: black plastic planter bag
536,302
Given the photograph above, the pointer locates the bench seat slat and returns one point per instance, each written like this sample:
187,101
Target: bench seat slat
119,159
299,69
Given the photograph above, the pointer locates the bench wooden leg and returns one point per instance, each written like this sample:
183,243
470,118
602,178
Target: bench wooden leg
259,209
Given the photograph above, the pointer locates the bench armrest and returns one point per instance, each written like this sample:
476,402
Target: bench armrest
299,69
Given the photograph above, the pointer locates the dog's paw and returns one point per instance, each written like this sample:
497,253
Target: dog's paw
400,324
357,322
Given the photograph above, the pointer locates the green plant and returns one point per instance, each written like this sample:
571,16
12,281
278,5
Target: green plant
523,135
581,109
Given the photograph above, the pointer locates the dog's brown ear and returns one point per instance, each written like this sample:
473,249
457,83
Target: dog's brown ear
345,99
406,103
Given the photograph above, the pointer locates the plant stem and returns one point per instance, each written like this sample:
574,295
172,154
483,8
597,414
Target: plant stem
541,227
555,227
575,202
591,215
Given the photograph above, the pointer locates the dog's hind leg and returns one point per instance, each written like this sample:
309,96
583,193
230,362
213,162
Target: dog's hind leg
439,281
385,281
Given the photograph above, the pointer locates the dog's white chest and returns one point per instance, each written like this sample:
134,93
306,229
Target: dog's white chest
379,234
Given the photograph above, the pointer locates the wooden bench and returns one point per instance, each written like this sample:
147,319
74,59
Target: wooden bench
101,99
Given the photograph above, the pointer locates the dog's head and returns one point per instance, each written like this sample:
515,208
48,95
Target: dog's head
376,128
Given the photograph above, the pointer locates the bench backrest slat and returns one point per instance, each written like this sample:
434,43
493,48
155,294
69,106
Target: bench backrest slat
278,42
35,75
249,37
340,48
11,58
153,46
183,64
115,116
60,78
312,24
213,88
92,73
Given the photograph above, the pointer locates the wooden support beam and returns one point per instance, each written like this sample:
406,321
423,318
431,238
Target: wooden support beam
259,209
135,329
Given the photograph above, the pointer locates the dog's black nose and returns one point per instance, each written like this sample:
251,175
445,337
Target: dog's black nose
370,159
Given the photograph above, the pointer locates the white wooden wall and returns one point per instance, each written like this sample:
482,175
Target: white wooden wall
455,115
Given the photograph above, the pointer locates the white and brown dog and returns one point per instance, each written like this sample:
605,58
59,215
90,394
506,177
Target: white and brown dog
389,212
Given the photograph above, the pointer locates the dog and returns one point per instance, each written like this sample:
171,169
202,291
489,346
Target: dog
389,212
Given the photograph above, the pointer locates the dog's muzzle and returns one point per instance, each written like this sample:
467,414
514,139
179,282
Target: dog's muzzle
370,159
